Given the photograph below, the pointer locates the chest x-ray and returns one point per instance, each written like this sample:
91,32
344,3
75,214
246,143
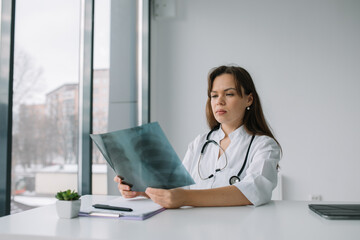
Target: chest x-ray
143,157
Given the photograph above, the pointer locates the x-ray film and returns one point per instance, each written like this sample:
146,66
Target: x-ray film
144,157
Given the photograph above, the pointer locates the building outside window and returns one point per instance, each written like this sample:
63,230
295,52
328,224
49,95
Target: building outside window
46,100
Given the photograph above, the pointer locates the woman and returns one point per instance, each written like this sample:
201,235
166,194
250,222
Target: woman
240,145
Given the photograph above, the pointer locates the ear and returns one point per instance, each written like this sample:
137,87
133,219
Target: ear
250,99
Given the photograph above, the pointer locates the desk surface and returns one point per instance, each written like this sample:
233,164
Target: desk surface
276,220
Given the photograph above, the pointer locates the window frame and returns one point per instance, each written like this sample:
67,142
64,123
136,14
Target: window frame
86,97
6,100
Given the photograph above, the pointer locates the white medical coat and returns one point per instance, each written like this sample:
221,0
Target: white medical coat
259,177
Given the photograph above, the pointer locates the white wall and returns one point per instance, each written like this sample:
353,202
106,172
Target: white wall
304,57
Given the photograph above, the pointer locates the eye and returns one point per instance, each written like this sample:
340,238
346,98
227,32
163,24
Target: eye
230,94
214,96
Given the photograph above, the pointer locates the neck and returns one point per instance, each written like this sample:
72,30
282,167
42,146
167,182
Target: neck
227,129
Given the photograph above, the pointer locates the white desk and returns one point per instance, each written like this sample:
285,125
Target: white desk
276,220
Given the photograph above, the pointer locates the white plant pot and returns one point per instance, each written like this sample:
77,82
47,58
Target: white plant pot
68,209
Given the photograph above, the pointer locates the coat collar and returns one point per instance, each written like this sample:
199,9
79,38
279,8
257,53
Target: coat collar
240,131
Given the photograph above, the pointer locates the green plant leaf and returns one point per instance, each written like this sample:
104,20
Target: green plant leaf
67,195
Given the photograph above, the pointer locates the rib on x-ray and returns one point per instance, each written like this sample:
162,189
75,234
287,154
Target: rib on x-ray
143,157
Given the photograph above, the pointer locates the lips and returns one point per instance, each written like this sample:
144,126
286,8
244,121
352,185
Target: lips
220,111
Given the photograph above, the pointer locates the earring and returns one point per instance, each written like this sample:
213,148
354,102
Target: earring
248,108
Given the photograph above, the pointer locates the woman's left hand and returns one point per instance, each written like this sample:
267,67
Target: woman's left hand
173,198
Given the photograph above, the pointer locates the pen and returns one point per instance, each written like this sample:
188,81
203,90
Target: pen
102,214
103,206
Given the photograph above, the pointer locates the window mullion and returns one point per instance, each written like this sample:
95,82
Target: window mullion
6,93
85,96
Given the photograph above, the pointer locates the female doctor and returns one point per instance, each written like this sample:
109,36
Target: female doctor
236,162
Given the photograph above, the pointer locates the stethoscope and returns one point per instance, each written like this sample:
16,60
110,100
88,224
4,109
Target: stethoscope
233,179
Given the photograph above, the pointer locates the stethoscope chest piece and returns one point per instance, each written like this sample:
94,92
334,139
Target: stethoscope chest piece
234,179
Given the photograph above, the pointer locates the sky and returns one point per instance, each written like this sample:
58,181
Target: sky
48,32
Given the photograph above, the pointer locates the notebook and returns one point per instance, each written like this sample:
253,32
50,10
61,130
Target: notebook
143,208
337,211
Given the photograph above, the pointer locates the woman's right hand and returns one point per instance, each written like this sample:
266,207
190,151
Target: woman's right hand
125,189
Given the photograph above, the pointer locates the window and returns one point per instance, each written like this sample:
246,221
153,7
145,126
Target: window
100,90
45,101
45,82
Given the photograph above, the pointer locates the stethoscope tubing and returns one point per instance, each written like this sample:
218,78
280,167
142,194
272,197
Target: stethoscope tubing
233,179
246,157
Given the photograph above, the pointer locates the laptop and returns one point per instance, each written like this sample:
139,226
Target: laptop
337,211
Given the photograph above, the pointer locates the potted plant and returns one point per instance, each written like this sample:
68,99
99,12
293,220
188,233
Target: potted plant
68,204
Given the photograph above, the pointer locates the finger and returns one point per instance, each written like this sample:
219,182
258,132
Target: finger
118,179
123,187
154,194
126,183
150,190
154,191
128,194
143,194
157,199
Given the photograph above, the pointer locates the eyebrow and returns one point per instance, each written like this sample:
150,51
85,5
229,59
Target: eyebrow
228,89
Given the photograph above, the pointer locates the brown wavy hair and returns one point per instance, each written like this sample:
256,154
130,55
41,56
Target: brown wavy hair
254,120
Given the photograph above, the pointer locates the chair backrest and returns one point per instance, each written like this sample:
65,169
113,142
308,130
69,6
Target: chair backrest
277,193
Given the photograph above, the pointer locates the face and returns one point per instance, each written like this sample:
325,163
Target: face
227,105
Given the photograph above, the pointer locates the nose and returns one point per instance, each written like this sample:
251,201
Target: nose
220,100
